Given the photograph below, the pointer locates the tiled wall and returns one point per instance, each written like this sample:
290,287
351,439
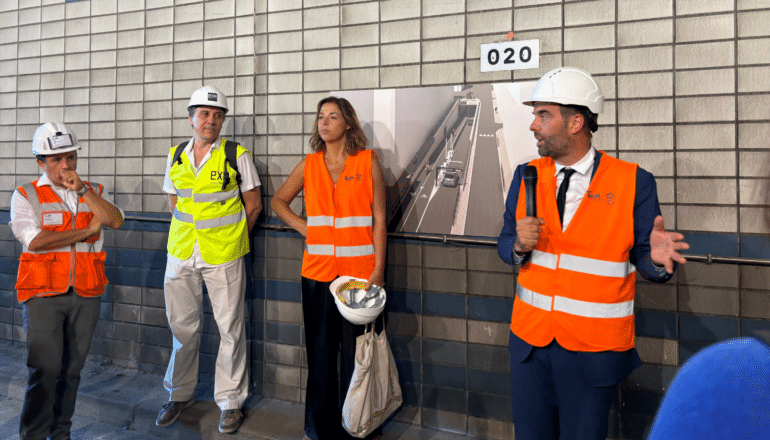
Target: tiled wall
688,97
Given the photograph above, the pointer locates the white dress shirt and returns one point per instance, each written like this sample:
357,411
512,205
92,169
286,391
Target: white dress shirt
578,184
25,224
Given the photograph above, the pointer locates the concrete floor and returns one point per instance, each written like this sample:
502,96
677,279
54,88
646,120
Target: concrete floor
120,404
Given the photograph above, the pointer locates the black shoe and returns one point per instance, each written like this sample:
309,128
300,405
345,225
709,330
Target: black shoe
230,420
170,412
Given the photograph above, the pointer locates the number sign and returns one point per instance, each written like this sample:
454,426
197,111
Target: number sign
510,55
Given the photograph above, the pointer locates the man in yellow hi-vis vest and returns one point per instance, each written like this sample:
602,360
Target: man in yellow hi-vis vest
215,203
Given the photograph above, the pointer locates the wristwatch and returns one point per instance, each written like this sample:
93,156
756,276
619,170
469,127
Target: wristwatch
82,191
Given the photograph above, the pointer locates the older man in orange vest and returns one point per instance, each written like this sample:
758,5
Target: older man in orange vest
59,219
572,326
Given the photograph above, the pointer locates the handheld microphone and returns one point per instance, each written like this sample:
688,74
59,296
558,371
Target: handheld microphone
530,182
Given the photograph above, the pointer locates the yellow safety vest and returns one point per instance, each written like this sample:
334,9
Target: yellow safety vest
206,212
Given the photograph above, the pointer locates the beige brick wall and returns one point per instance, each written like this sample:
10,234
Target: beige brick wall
686,83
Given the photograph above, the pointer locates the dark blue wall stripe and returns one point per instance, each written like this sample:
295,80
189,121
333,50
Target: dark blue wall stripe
755,246
445,376
656,324
707,328
489,406
756,328
283,290
702,243
129,257
9,265
403,301
489,382
443,304
490,309
409,371
405,348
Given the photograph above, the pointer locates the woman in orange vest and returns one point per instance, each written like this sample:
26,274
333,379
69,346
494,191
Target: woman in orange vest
345,234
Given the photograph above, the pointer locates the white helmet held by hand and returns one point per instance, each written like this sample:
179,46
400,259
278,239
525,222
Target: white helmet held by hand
568,86
209,96
53,138
357,305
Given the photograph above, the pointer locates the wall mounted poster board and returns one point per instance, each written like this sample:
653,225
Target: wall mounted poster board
447,153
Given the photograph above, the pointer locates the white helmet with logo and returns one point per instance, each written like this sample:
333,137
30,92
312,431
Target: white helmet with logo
209,96
53,138
568,86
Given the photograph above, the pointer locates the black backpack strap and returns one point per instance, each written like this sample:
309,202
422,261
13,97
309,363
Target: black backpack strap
231,158
178,153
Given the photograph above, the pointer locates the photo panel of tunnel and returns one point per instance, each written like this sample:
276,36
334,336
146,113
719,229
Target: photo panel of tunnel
447,153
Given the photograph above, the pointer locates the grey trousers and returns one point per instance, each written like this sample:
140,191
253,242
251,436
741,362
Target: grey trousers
59,330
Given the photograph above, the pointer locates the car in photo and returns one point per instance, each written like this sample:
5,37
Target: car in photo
451,179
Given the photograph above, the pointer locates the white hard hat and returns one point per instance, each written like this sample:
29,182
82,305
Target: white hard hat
349,293
53,138
568,86
209,96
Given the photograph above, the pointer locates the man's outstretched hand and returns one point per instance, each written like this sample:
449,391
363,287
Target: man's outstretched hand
665,246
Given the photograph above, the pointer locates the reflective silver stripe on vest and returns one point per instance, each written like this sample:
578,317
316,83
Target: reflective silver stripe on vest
591,309
182,216
589,266
40,208
354,222
215,197
57,207
184,192
220,221
33,199
355,251
575,307
320,220
544,259
596,267
86,247
320,249
542,302
210,223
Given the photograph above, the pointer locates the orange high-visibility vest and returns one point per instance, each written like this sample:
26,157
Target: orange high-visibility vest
47,273
340,239
578,286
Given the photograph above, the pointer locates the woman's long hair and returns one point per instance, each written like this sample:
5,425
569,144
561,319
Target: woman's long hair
355,139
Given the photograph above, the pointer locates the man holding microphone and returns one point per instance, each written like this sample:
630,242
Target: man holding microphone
572,326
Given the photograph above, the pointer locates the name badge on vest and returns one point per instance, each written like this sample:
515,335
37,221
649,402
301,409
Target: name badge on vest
53,219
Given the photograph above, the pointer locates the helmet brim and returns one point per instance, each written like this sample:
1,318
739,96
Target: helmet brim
224,109
58,151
